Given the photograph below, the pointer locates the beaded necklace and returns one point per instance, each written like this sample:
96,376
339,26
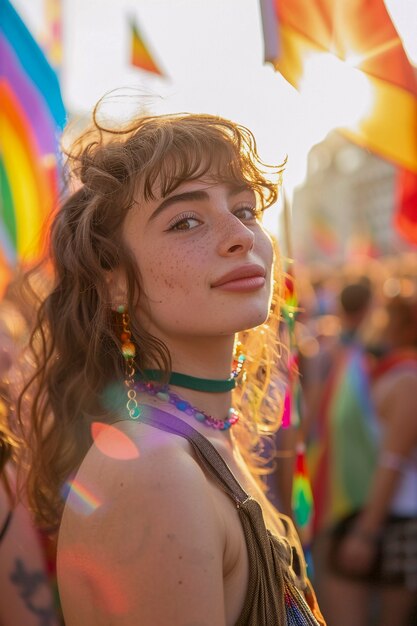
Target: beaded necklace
163,393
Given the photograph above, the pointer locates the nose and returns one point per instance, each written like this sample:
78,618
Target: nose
234,237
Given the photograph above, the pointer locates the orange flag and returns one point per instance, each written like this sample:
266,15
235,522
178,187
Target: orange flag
139,52
361,36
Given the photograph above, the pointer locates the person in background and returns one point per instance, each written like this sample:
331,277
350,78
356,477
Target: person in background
342,447
379,546
26,581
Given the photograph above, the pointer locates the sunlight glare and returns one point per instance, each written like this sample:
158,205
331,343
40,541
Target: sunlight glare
335,93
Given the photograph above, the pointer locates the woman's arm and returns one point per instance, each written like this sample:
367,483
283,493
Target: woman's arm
25,592
152,551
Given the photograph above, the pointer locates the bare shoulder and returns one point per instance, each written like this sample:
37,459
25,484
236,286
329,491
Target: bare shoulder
139,525
402,386
146,464
400,407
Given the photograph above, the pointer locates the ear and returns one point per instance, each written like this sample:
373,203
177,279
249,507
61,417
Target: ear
116,281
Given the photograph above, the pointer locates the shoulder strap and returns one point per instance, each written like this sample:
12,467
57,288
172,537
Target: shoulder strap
204,450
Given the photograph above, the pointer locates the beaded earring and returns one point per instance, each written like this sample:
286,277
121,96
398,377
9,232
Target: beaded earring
129,353
238,360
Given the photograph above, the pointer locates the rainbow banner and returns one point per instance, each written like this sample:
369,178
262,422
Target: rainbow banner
359,38
140,55
32,116
342,451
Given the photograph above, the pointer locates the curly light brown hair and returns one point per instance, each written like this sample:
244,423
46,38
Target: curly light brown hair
75,345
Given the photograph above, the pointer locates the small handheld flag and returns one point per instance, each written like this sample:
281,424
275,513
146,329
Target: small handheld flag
140,55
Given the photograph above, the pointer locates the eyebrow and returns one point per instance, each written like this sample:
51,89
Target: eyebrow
192,196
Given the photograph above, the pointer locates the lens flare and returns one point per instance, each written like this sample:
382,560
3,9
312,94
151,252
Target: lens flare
76,564
113,443
80,499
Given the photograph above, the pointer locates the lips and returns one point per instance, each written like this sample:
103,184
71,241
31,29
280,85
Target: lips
242,274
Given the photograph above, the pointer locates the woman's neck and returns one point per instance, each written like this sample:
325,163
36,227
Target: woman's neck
211,359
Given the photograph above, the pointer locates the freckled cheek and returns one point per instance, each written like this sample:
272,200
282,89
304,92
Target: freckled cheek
172,272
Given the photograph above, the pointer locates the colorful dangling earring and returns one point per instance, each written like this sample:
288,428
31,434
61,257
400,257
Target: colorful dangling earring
129,353
238,360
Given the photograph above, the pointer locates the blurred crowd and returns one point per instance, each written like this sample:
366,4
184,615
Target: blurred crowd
357,340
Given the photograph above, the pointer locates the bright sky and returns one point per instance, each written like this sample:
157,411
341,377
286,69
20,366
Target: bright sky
212,51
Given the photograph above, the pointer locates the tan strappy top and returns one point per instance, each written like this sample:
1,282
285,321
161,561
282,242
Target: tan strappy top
278,592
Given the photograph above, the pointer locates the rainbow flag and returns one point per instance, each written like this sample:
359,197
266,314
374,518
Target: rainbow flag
32,116
302,495
324,235
140,55
361,38
342,452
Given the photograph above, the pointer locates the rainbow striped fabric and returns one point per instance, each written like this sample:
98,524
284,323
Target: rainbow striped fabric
32,116
343,449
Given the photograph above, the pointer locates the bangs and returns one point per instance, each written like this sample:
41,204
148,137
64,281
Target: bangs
156,154
188,151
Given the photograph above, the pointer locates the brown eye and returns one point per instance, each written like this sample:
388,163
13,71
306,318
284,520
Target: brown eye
247,213
186,223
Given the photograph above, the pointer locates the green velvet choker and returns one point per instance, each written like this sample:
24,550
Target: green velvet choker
192,382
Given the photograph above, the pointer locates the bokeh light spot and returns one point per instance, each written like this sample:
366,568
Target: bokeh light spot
113,443
392,287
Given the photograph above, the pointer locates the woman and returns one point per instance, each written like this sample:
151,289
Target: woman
160,259
26,595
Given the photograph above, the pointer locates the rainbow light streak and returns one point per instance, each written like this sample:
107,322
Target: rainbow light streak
81,499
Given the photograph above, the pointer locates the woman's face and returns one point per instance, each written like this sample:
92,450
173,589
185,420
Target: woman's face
205,261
